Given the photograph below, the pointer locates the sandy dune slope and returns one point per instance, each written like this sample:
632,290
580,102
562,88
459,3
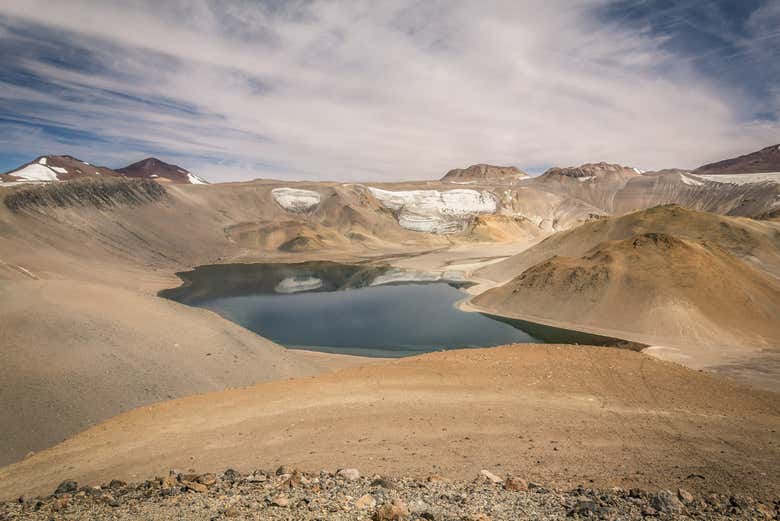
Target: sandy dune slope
561,415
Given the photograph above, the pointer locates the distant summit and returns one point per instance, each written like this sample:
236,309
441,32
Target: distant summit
763,161
65,168
590,171
483,172
55,168
153,168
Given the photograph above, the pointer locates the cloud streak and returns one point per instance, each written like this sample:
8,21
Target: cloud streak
355,90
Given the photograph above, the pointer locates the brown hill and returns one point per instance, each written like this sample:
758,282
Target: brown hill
754,242
153,168
483,172
764,160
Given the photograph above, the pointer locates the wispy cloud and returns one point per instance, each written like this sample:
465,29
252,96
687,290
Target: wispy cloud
356,90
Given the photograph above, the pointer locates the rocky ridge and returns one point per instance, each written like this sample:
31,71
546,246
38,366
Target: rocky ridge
347,495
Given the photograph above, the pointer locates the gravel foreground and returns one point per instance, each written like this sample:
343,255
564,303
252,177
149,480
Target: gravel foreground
288,494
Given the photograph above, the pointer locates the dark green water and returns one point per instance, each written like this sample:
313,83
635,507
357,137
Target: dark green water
335,308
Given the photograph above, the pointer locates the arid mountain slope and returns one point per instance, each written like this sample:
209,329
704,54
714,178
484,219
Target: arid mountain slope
615,189
765,160
653,286
557,415
755,242
485,173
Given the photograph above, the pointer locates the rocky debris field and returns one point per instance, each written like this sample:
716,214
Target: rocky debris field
288,494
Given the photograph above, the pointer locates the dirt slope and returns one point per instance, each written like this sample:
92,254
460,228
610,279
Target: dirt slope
559,415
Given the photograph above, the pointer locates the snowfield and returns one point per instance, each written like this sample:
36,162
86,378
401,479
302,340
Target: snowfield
741,179
295,199
432,211
36,172
195,180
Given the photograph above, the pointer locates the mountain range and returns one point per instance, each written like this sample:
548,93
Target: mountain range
66,168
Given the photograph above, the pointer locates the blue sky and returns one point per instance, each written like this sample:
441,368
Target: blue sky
349,90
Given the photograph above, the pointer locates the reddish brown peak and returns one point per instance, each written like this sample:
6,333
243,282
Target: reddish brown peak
765,160
151,164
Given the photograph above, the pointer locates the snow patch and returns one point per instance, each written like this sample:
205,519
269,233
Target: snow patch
42,161
690,180
36,172
59,169
586,178
295,199
195,180
297,285
433,211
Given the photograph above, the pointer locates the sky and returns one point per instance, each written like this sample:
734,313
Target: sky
387,90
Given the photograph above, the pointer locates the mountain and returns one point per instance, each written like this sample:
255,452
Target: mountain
763,161
153,168
56,168
66,168
617,189
486,173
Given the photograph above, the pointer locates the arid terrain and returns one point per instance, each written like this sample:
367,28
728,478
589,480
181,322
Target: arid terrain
132,384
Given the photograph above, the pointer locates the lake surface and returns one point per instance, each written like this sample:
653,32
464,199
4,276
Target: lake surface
354,309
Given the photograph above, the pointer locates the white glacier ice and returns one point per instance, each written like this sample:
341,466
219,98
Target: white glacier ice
295,199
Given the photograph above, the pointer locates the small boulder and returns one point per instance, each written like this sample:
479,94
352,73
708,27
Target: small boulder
66,487
280,500
116,484
515,484
685,496
349,474
207,479
195,486
490,476
396,510
231,476
366,502
666,502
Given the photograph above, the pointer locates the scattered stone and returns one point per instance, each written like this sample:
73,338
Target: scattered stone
366,502
396,510
665,501
116,484
685,496
350,474
383,482
207,479
584,508
280,500
515,484
284,469
490,476
231,475
195,486
67,487
231,512
477,517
